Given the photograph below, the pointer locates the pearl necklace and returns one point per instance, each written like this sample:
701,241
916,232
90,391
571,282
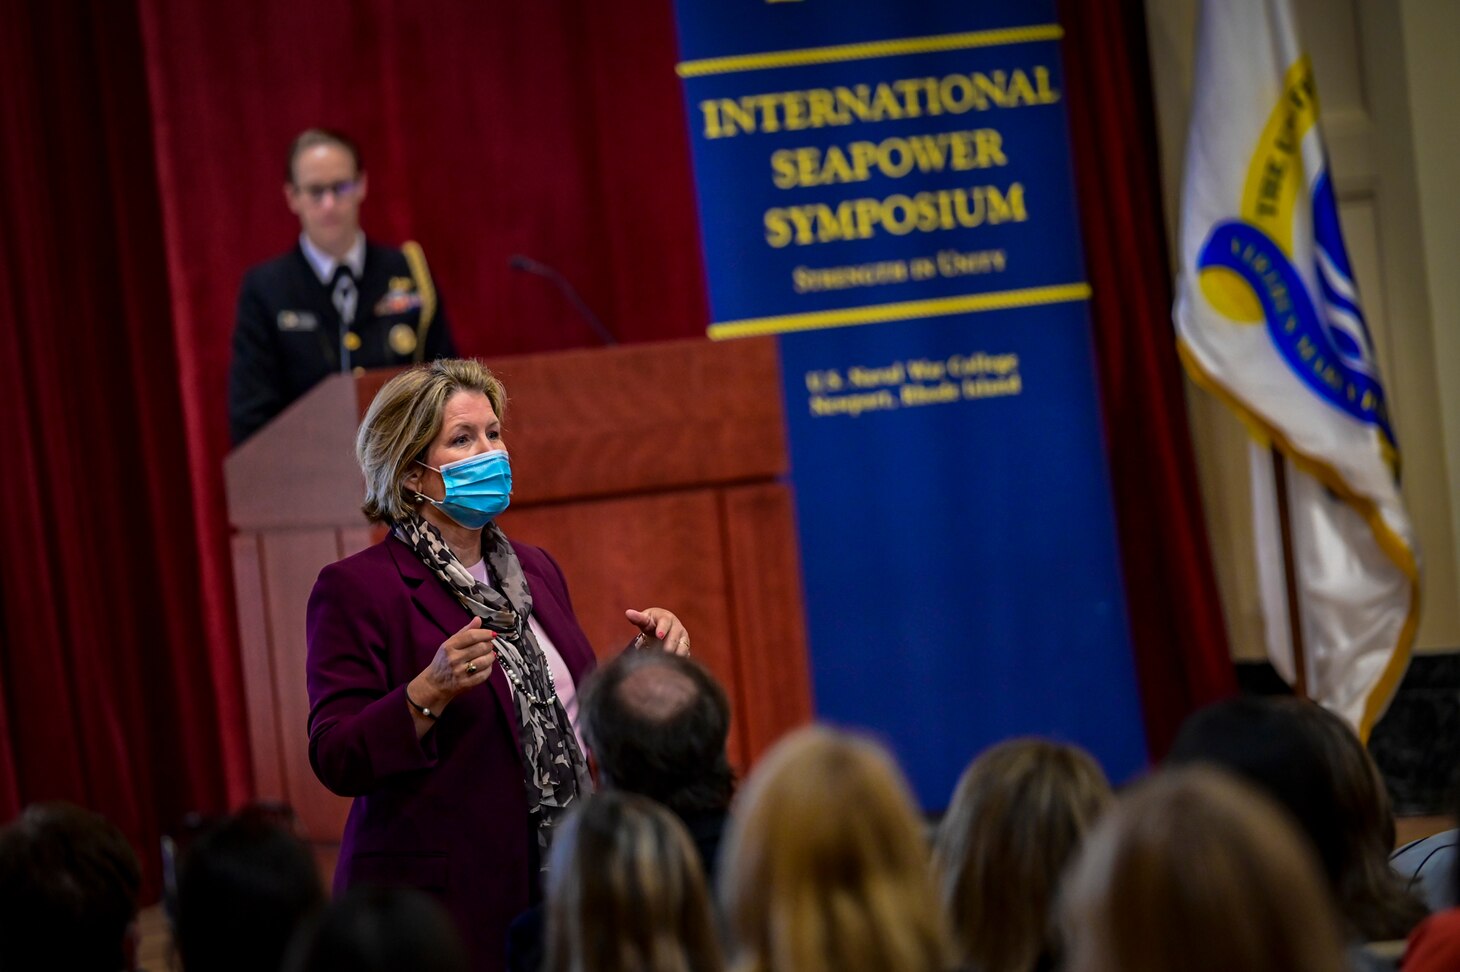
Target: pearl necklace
516,678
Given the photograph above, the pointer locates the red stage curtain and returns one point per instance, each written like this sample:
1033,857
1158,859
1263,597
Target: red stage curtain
1180,638
114,691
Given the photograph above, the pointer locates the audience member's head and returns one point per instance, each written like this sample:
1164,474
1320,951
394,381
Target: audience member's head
1018,816
1455,864
375,929
1265,743
1371,896
1196,870
657,724
243,889
625,892
68,892
826,868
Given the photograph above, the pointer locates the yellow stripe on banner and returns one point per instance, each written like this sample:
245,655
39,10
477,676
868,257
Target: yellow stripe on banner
1390,542
871,49
905,310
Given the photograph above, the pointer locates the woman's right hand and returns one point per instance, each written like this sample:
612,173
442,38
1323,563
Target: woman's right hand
463,661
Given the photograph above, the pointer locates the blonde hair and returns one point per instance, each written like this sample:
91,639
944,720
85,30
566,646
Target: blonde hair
1197,870
625,892
403,420
1018,816
825,868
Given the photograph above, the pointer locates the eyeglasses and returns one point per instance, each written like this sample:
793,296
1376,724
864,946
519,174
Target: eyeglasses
340,190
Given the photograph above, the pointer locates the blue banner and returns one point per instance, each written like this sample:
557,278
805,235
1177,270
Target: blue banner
887,186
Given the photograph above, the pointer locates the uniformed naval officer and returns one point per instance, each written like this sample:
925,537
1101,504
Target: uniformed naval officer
336,302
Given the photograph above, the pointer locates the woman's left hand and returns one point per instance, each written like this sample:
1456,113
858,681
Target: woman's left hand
659,628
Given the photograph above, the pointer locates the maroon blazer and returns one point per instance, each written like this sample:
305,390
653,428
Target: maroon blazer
448,812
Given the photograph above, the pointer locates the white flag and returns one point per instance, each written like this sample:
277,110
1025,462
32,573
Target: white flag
1269,320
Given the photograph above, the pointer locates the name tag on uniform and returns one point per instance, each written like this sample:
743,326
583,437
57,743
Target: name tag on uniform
297,321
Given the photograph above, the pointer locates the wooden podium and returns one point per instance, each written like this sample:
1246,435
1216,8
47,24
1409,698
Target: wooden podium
653,473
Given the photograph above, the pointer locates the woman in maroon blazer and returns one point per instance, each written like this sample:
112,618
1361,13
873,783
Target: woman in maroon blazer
444,663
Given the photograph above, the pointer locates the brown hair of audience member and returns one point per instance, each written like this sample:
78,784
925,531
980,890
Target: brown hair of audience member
244,889
68,891
1018,816
1371,896
625,892
1197,870
825,868
378,929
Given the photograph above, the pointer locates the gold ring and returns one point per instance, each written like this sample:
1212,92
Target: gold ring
684,642
471,668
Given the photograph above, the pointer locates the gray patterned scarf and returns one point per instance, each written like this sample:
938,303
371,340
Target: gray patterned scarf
554,769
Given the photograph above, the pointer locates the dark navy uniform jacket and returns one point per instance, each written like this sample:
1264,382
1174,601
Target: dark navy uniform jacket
287,337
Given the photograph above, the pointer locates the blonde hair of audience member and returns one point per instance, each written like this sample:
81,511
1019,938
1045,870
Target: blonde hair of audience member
402,421
825,868
1199,871
625,892
1018,816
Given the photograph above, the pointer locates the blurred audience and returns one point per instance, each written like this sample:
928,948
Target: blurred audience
1018,816
243,889
1372,898
1263,742
626,893
1435,944
655,724
1320,774
825,868
1195,870
375,929
68,892
1262,845
1427,868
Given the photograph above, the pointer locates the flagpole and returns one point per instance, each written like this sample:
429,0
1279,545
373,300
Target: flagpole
1290,573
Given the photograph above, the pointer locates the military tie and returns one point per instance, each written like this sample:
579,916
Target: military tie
344,295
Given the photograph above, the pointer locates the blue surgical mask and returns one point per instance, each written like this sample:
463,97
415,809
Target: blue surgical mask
478,488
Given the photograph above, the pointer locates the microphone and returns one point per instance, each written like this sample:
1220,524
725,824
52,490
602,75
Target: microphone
528,265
